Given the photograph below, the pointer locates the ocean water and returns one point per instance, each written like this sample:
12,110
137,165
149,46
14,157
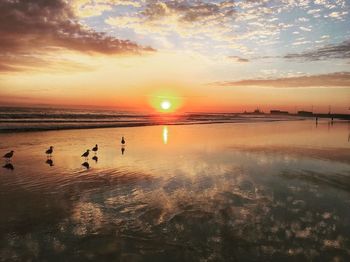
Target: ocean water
36,119
264,191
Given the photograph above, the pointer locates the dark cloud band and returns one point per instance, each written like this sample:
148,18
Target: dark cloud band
337,51
341,79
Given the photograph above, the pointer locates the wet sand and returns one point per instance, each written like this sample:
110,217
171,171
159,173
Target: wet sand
218,192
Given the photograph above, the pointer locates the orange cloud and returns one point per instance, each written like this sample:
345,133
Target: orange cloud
29,28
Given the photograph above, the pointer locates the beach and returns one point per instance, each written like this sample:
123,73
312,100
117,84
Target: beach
250,191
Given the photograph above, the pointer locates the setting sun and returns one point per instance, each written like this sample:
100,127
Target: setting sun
165,105
166,100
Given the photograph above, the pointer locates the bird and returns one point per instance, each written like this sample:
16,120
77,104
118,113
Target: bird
49,151
95,158
9,155
86,154
95,149
86,165
123,141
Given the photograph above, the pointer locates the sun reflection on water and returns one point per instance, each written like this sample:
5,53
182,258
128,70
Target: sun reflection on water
165,135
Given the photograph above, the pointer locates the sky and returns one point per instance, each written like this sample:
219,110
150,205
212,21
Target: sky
205,56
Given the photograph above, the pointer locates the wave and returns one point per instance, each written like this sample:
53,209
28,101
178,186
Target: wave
37,119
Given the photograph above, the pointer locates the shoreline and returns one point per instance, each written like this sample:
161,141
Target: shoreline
140,124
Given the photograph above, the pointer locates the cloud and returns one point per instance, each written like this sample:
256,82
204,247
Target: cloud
88,8
40,26
239,59
340,79
335,51
307,29
186,11
191,22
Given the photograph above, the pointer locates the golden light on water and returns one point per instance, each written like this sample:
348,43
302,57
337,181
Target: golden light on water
165,135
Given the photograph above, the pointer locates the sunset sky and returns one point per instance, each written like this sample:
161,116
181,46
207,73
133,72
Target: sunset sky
202,55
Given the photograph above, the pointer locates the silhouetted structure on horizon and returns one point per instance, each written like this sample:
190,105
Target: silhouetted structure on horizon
278,112
255,112
305,113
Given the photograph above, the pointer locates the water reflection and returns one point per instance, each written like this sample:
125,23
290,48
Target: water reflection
278,194
122,149
49,161
8,166
165,135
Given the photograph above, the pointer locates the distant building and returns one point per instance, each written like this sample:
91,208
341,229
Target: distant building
279,112
305,113
257,111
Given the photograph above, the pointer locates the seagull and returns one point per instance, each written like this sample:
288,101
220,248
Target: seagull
9,155
123,141
86,165
95,149
86,154
49,151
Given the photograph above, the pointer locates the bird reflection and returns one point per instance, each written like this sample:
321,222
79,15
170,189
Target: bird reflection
49,162
95,158
9,166
86,165
123,150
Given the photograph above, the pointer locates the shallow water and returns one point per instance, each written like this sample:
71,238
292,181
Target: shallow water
219,192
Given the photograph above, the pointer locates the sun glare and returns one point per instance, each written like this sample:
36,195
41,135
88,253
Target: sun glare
165,105
165,101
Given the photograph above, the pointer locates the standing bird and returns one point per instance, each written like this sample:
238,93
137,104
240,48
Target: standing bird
86,154
86,165
123,141
95,149
9,155
49,151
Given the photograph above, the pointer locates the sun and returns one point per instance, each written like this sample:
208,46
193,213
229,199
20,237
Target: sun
165,105
165,101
